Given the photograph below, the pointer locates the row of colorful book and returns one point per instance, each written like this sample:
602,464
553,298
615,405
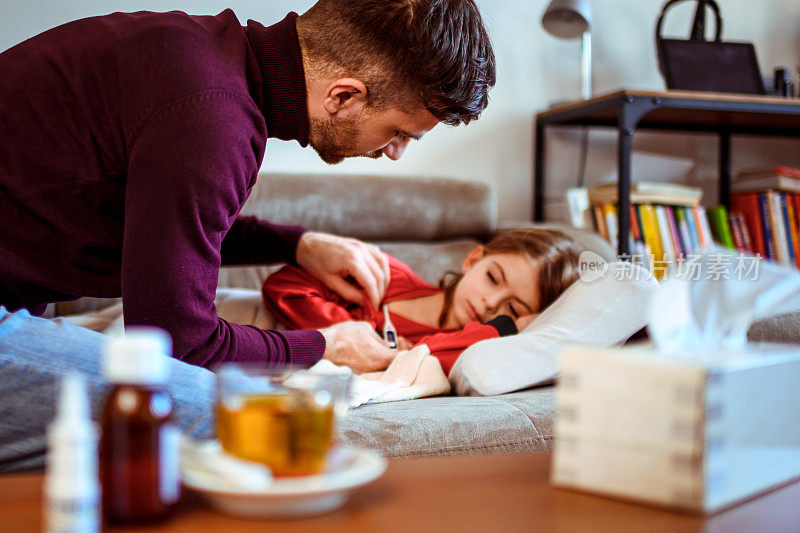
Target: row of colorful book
667,222
768,202
668,232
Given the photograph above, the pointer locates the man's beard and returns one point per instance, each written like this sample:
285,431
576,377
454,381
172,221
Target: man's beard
336,141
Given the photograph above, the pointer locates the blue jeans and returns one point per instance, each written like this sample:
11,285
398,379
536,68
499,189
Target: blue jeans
34,354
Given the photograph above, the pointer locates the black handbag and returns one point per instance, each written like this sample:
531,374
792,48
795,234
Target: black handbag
700,65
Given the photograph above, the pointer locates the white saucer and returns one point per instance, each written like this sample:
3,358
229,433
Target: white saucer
348,468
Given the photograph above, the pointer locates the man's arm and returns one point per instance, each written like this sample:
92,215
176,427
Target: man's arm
187,177
252,241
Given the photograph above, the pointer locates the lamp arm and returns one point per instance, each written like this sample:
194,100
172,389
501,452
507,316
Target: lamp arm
586,65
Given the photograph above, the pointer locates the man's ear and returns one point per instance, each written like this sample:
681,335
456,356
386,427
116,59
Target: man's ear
345,97
473,257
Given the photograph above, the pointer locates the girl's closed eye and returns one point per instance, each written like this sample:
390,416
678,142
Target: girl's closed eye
491,277
512,311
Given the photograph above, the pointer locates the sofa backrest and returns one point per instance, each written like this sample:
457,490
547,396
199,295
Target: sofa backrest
377,208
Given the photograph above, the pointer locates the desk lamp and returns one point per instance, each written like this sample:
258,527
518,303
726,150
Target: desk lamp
570,19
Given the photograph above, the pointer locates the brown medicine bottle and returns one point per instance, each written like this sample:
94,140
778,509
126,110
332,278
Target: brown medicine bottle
139,443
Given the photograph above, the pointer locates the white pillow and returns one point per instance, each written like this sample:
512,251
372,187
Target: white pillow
601,312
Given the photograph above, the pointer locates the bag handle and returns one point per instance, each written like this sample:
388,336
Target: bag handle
698,26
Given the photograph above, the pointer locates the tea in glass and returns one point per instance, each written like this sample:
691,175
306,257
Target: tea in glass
284,419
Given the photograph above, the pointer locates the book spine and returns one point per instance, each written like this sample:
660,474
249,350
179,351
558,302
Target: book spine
677,238
693,233
778,227
769,240
736,231
610,214
795,201
747,240
600,221
683,229
636,232
666,237
704,223
644,249
747,204
636,239
718,218
786,227
702,226
791,227
651,233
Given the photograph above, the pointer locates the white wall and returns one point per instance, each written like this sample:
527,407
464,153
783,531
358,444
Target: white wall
534,70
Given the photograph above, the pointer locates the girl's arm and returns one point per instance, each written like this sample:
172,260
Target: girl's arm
301,301
447,346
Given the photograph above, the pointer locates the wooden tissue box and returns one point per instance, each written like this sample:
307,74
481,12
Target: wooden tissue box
697,432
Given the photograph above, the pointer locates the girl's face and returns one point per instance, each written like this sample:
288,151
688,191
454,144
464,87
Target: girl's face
494,284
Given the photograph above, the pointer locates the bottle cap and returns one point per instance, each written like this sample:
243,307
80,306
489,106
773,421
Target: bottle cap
139,357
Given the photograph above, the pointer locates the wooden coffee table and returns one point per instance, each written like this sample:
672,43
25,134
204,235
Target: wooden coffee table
466,493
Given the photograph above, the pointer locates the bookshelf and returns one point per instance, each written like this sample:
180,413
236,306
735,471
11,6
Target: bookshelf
689,111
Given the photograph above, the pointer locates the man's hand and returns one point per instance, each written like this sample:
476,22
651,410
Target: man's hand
333,260
403,343
355,344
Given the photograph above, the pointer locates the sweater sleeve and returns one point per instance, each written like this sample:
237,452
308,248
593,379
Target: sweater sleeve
189,170
447,346
253,241
300,300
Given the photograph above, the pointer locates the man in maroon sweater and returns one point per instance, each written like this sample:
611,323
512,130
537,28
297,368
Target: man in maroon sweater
130,142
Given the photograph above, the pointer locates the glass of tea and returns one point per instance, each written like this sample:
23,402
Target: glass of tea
284,418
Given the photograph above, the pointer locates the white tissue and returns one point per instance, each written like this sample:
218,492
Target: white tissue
710,302
205,464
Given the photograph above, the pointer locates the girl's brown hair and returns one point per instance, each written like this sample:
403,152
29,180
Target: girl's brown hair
556,253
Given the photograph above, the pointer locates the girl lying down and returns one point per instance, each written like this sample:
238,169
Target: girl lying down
502,286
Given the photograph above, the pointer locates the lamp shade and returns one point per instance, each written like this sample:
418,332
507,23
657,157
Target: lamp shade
567,19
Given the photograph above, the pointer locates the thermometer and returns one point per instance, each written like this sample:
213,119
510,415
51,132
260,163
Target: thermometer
389,333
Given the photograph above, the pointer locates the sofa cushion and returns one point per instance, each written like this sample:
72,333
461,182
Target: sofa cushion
782,328
430,260
516,422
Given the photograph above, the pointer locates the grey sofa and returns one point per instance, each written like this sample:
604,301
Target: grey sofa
431,224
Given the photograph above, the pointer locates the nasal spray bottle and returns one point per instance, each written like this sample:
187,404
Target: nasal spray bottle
139,443
72,489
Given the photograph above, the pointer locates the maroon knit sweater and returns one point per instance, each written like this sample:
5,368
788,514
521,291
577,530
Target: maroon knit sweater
128,144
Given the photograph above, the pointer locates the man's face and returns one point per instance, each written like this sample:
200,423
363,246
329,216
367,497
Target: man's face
369,134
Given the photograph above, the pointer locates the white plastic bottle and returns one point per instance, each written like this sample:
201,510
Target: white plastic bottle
72,488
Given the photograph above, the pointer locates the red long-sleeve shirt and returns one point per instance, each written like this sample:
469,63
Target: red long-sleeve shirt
299,300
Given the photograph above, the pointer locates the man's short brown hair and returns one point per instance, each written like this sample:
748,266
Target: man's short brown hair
432,54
